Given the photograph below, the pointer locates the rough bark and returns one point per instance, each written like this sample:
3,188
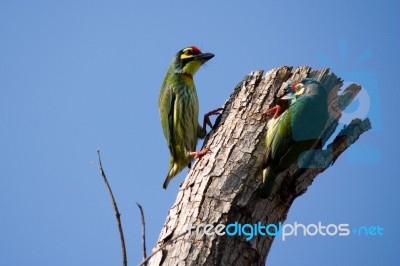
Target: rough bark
222,187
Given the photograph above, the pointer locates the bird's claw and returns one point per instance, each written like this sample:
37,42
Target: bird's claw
207,120
276,110
198,154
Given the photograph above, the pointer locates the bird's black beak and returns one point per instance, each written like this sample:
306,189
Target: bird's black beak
289,96
204,57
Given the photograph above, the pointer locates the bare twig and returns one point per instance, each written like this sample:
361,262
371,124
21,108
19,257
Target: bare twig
117,214
143,231
166,243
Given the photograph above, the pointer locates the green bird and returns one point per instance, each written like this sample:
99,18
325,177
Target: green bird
295,131
179,110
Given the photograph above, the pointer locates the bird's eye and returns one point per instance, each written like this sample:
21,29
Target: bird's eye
299,90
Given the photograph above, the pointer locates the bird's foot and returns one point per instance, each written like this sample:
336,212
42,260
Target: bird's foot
276,110
198,154
207,121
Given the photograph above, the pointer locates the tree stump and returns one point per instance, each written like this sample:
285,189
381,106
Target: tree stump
222,186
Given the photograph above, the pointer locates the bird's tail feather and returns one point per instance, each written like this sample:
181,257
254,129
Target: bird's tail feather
269,177
174,169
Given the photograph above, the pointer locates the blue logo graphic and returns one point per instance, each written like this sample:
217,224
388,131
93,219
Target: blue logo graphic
366,104
283,230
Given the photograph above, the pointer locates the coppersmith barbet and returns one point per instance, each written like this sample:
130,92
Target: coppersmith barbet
295,131
179,108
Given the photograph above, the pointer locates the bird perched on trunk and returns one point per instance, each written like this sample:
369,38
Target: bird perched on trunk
296,130
179,108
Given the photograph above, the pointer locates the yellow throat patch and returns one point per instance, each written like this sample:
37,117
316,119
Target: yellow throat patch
191,67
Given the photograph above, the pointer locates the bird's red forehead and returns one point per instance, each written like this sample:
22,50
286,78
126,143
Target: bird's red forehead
195,49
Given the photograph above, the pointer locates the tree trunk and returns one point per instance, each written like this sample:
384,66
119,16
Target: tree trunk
222,186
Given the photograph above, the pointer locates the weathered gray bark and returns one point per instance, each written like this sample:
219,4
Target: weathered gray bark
221,187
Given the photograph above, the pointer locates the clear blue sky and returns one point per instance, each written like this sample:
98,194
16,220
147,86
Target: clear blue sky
78,75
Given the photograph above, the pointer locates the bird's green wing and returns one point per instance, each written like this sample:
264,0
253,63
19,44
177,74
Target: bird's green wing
308,118
279,138
294,152
167,106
